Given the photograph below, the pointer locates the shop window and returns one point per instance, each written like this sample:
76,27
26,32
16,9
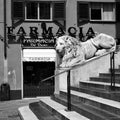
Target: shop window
108,12
59,14
18,10
59,11
38,11
45,11
83,12
96,12
31,10
102,12
118,12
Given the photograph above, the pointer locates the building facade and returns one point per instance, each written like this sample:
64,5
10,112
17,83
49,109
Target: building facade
31,29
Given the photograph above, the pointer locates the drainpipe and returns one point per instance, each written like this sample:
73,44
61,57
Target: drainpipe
5,47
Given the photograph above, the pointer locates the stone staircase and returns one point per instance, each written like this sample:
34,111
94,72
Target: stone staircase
92,100
95,99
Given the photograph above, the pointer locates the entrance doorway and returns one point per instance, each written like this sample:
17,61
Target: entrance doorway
33,74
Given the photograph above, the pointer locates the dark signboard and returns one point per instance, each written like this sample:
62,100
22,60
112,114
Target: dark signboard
47,37
39,42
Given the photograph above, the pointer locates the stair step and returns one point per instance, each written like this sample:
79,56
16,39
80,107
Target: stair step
99,85
117,75
41,112
26,114
116,70
101,103
104,79
112,95
87,110
119,66
60,110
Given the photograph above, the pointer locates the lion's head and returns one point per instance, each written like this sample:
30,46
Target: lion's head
65,42
68,48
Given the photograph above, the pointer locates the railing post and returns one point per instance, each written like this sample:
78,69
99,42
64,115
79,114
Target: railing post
112,69
68,92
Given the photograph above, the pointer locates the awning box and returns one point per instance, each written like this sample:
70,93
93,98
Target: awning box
39,55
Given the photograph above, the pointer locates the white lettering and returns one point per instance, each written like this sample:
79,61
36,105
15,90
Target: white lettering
39,58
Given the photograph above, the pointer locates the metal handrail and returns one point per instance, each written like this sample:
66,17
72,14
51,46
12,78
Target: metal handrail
68,85
112,70
67,69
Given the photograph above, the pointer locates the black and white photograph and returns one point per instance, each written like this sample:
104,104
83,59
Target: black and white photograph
59,59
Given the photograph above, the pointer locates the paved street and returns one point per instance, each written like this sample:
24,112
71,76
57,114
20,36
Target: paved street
9,109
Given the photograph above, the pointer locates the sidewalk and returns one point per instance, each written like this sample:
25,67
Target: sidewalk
9,109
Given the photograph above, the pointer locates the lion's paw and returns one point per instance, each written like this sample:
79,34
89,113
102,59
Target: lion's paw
100,52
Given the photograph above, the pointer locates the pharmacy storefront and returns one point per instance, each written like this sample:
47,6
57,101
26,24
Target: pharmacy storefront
38,63
32,53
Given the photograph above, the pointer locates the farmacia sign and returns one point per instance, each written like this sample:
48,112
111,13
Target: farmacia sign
44,39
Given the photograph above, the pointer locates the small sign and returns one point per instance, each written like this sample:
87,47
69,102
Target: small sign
39,59
39,42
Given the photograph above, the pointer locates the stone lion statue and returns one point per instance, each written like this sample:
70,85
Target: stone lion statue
74,51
